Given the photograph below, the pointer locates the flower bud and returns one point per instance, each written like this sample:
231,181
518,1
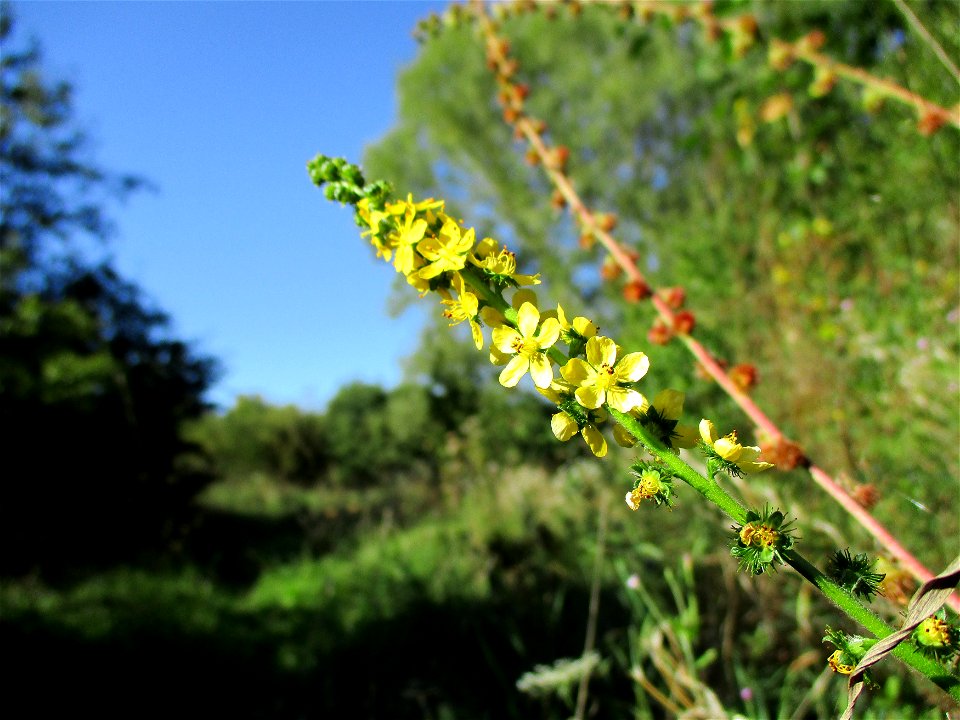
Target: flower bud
930,122
780,55
558,157
635,291
783,453
684,322
659,333
866,494
606,221
610,269
744,376
776,107
813,41
674,297
823,81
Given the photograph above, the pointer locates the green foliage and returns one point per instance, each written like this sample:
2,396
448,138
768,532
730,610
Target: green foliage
48,189
283,442
373,433
93,386
807,246
391,557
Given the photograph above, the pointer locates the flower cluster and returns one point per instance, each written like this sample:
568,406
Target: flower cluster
435,253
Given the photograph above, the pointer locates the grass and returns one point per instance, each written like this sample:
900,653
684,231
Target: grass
436,616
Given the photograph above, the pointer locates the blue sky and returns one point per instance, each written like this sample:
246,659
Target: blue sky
220,105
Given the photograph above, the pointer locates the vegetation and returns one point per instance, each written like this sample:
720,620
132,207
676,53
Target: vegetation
430,550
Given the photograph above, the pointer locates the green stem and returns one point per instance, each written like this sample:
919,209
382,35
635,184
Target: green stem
479,285
835,593
708,488
481,288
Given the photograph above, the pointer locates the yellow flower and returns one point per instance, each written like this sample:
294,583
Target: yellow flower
500,263
447,251
527,344
405,238
599,379
373,218
580,326
649,486
564,425
837,664
465,307
729,449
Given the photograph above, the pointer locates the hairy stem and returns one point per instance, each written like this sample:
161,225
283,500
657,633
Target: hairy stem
843,599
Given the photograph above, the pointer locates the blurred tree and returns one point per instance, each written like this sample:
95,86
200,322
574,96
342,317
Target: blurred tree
285,442
805,241
93,387
373,433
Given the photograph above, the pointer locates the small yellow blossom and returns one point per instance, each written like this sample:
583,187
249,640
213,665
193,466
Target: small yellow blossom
373,218
565,426
648,486
404,240
527,344
583,327
599,379
728,448
500,262
465,307
447,251
837,664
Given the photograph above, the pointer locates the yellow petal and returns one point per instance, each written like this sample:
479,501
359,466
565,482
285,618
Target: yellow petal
541,370
707,432
528,317
623,399
504,338
576,371
669,403
632,367
477,335
590,397
523,296
727,449
754,467
608,351
686,436
515,369
594,352
497,357
623,437
595,441
549,333
563,426
584,327
491,316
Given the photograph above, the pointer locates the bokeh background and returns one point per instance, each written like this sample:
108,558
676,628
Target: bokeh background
249,472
